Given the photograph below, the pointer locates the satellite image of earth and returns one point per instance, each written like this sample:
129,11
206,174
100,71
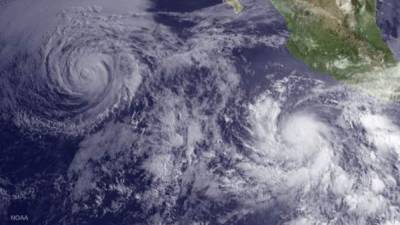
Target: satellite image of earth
200,112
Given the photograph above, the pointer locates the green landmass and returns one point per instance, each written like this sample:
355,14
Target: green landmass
236,5
338,37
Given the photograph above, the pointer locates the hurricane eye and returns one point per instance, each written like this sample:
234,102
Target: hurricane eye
91,74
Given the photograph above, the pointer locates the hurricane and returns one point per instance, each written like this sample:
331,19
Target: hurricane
88,70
